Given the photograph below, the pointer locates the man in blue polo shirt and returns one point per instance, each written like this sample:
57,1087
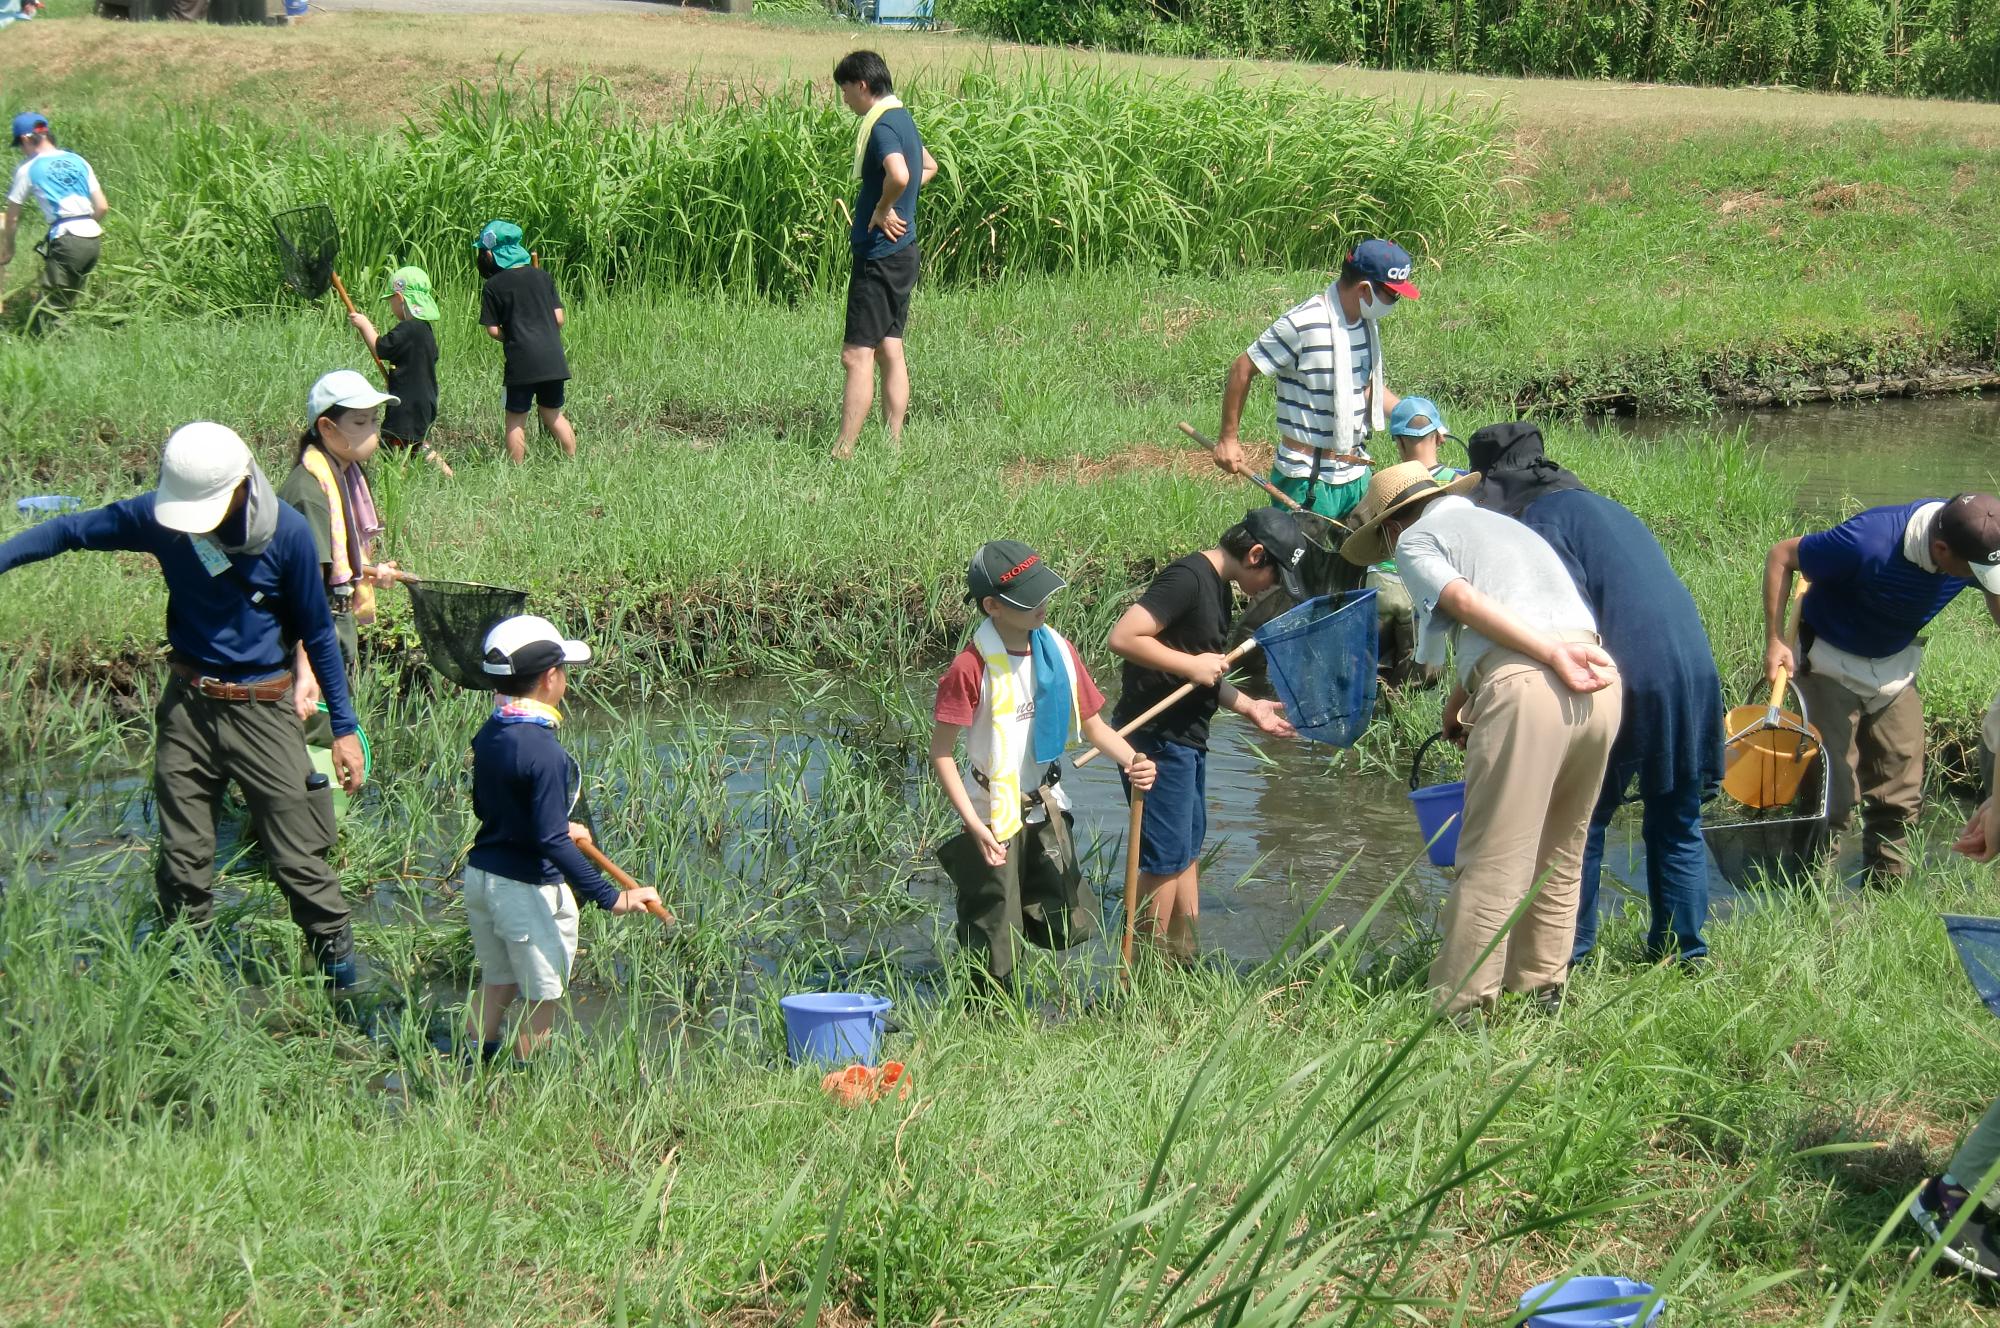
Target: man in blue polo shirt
243,584
1875,581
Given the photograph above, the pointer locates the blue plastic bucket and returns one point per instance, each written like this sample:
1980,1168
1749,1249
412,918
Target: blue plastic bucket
833,1027
47,504
1436,806
1555,1311
295,8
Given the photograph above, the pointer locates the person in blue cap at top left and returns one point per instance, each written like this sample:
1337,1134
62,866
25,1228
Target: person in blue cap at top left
66,189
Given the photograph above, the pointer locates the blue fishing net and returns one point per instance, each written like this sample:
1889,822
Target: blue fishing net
1321,661
1977,941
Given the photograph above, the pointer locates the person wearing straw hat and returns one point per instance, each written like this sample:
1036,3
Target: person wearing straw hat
522,915
66,189
1325,355
1876,581
1419,429
1670,729
1536,707
243,581
891,167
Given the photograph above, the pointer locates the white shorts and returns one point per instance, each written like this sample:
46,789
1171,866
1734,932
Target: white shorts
522,935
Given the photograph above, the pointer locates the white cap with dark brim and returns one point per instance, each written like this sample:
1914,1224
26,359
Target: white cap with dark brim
527,644
200,468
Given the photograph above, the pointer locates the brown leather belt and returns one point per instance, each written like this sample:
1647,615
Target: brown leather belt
215,689
1320,456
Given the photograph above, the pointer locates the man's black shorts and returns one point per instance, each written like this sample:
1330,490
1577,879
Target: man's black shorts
878,297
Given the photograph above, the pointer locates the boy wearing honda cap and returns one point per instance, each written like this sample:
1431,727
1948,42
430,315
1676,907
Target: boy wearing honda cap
66,189
1021,695
1175,634
524,788
1326,357
1874,582
243,583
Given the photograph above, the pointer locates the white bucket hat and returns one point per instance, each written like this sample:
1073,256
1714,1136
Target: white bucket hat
346,389
200,468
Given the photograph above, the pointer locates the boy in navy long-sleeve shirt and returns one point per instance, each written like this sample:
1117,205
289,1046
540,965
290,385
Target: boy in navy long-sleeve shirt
243,585
523,917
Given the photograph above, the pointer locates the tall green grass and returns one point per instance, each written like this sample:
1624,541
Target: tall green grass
1057,171
1927,48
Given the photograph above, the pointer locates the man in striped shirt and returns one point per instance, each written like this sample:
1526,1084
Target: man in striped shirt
1326,355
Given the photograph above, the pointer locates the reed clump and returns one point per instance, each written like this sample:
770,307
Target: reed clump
1061,169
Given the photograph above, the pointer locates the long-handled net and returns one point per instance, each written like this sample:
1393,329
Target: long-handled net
1320,658
452,619
308,243
1773,844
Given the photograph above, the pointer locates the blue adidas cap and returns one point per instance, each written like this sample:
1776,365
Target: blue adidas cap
1410,409
1387,264
29,122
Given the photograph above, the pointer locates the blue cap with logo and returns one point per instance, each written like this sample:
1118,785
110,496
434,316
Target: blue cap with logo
29,122
1385,263
1403,419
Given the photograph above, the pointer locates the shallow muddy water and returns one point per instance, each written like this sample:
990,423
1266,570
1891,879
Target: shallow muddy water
1865,453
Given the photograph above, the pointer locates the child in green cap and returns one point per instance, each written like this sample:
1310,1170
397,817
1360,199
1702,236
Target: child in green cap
410,352
522,312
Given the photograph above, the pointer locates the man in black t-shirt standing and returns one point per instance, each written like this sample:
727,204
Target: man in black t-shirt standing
1174,635
521,310
892,164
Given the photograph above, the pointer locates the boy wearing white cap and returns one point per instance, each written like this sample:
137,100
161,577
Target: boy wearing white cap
243,579
524,787
329,488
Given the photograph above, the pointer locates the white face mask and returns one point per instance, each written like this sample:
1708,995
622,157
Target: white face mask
1373,309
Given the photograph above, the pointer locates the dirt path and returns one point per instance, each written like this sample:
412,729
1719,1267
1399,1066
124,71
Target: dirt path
468,7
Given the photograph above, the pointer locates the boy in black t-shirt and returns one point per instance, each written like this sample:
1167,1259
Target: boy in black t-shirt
411,352
1174,635
521,310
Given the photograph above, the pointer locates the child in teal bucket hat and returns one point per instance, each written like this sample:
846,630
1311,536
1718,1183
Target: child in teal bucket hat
409,352
521,310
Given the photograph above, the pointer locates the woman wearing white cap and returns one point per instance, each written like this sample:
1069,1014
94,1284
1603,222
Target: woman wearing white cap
330,490
243,579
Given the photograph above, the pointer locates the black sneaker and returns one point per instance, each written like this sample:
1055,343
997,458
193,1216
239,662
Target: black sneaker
1971,1250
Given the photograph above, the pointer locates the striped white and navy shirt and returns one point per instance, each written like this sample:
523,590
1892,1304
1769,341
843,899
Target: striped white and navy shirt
1298,353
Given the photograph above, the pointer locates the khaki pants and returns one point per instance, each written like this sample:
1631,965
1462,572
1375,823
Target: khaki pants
200,746
1877,762
1534,765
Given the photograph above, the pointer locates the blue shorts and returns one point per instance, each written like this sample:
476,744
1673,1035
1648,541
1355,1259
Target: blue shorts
1175,821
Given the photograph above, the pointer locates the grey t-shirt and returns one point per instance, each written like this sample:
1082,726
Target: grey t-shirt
1503,559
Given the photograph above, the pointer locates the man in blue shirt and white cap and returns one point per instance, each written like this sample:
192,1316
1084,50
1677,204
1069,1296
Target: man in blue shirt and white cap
243,584
66,189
